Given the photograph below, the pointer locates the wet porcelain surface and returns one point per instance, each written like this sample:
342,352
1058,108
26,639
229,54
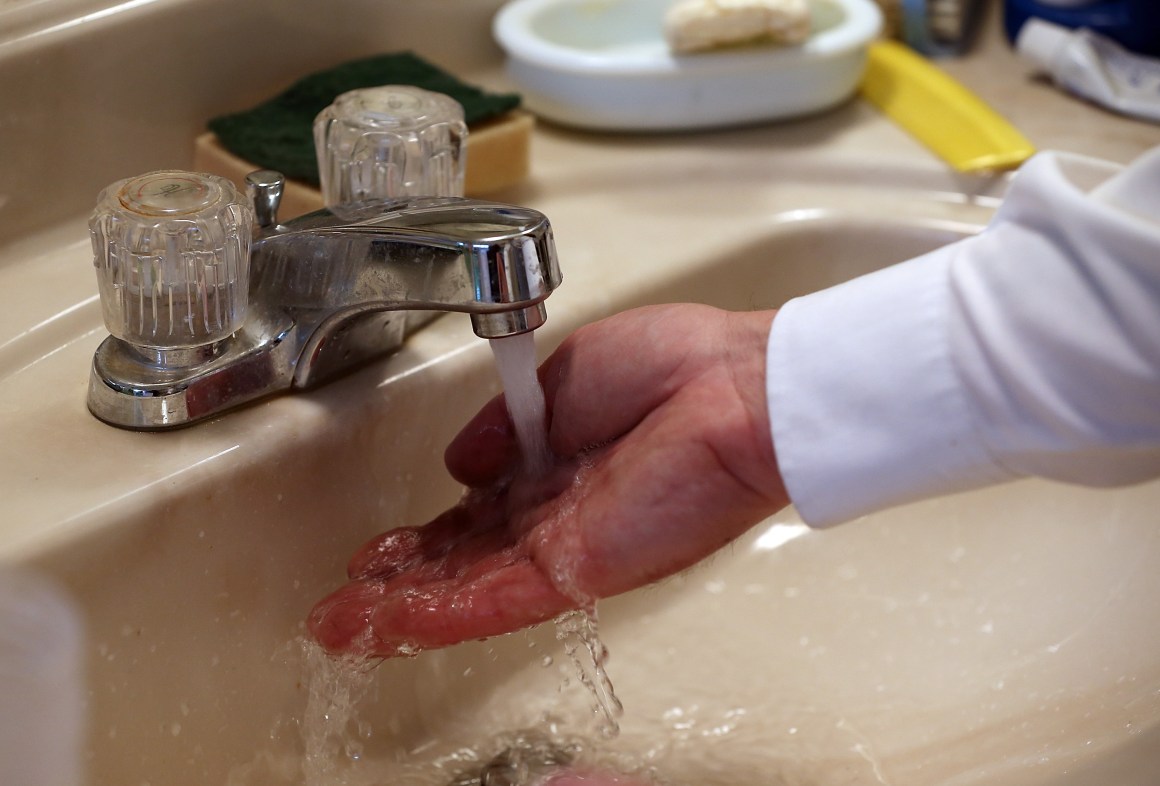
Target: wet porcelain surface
1000,637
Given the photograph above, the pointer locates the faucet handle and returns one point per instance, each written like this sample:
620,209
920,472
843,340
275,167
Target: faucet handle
389,142
172,254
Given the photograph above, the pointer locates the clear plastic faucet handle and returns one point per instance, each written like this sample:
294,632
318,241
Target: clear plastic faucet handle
391,141
172,255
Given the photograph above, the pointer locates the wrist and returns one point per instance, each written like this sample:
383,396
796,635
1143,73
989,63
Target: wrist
747,337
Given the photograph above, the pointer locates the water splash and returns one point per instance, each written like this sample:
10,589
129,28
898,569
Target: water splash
331,731
577,631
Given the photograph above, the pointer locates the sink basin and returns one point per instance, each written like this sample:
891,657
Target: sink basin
1002,637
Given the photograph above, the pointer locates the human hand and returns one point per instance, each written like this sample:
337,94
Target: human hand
658,421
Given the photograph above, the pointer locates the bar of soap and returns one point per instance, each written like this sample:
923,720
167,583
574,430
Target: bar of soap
498,156
702,25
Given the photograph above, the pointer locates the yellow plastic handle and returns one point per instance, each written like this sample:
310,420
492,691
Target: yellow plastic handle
940,112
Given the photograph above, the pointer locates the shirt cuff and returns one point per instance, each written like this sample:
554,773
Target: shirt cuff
865,405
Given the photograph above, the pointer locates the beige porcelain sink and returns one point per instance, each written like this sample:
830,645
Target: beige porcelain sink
1004,637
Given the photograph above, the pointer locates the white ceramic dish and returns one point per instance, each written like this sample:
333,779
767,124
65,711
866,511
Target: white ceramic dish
604,64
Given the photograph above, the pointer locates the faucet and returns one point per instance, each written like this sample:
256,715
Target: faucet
327,292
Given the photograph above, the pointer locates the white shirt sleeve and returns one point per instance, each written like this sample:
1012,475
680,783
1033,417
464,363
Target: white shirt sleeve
1032,349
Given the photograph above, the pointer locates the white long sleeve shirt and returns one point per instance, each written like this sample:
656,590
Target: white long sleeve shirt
1032,349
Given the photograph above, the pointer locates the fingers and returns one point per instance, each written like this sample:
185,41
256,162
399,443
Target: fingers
393,552
443,548
485,450
465,575
387,618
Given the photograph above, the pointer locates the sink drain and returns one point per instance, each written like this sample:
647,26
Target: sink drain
529,758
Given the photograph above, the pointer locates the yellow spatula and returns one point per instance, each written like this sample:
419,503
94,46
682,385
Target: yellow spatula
940,112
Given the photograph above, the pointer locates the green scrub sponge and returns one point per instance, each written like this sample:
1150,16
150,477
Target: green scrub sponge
279,133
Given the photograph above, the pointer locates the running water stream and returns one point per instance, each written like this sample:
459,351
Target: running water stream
515,357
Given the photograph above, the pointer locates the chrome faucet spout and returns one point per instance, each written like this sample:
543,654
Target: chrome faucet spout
333,289
431,253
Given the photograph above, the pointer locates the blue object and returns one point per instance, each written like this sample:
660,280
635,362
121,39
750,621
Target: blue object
1133,23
